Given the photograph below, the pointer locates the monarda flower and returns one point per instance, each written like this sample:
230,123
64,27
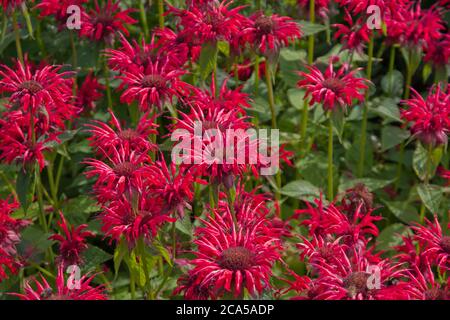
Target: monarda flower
438,52
269,34
354,35
153,86
72,242
179,43
57,8
231,257
107,138
433,243
430,117
10,5
210,23
134,221
360,6
88,93
29,90
62,291
9,237
102,23
333,89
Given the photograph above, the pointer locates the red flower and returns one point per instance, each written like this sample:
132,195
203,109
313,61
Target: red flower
333,89
434,244
180,43
44,291
430,118
72,242
438,52
153,86
44,87
140,220
88,93
9,237
9,5
104,22
105,139
360,6
122,175
321,7
270,33
211,22
231,257
57,8
355,35
174,186
422,285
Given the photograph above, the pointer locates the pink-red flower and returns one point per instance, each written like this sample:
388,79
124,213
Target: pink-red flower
231,257
72,242
88,93
354,35
62,291
58,8
333,88
103,22
430,117
269,34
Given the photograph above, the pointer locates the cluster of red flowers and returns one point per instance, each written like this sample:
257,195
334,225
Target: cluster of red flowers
239,242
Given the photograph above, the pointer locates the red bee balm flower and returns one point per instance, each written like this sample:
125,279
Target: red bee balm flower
72,243
270,33
104,22
44,291
88,93
333,89
430,118
231,257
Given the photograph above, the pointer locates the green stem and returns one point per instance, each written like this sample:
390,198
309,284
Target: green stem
268,75
312,19
174,242
17,38
160,13
143,19
391,65
256,71
26,15
330,159
362,142
39,40
9,184
427,179
107,84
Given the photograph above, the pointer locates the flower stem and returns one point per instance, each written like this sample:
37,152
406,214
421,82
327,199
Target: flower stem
362,142
312,19
256,70
174,242
107,84
330,158
391,65
143,19
161,13
268,75
17,37
427,178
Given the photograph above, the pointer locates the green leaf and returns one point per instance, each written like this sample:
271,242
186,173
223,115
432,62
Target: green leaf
425,164
392,136
120,252
94,256
301,189
77,210
164,252
34,243
393,84
23,187
184,225
370,183
208,59
431,196
426,72
386,108
309,28
224,47
390,236
296,97
403,210
338,120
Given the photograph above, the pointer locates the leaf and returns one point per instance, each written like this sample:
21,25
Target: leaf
301,189
404,211
370,183
184,225
422,162
296,98
386,108
34,243
338,120
77,210
23,184
224,47
431,196
393,84
392,136
426,72
208,59
165,254
119,254
94,256
390,236
309,28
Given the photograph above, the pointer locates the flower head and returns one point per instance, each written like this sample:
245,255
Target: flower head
62,291
72,242
354,35
430,117
89,93
333,88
